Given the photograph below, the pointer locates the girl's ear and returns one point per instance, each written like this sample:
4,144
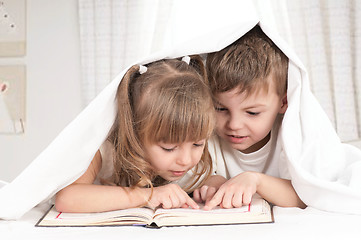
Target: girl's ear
284,104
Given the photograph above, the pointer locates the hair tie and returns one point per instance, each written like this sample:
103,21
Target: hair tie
186,59
142,69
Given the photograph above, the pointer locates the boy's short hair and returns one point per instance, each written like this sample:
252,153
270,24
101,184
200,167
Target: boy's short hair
247,64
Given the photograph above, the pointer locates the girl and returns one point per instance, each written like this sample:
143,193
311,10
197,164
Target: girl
165,116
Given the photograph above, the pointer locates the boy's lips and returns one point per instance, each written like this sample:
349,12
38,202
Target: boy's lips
236,139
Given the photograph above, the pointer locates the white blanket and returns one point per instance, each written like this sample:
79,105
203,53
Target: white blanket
325,173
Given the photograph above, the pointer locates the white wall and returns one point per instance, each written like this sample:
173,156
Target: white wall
53,82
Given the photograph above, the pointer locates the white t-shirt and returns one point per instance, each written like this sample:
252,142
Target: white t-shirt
229,162
107,152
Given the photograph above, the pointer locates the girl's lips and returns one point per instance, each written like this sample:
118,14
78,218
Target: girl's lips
177,173
236,139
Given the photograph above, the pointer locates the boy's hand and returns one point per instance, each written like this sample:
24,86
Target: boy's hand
210,187
171,196
236,192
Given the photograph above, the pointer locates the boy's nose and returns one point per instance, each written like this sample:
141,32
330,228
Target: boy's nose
235,123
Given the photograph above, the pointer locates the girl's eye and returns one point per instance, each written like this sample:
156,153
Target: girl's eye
253,113
220,109
168,149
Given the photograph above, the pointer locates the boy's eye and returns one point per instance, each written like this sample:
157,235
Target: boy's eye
252,113
200,144
220,109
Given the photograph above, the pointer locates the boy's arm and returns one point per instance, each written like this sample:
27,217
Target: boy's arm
278,191
239,190
84,196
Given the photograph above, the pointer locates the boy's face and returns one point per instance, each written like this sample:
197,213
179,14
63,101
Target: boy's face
245,122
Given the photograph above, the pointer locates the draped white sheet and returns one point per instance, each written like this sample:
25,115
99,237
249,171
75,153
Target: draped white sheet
115,33
325,173
325,34
327,37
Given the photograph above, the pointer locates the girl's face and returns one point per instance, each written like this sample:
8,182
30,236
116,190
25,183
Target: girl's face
171,161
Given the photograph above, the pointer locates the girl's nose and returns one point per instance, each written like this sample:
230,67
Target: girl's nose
184,158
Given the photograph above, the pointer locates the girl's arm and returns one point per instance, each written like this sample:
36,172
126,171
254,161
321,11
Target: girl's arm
84,196
239,190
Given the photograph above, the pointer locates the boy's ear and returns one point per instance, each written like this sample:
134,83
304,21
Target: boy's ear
284,104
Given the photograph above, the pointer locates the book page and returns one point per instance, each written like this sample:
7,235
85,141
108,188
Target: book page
133,216
215,210
258,211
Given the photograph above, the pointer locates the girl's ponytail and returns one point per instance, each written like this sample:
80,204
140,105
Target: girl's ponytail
129,156
197,63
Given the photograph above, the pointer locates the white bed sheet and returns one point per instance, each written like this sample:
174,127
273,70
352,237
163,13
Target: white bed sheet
290,223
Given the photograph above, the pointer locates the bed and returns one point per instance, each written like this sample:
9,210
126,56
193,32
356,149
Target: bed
290,223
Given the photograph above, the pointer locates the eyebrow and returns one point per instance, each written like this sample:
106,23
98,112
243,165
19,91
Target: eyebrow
216,102
248,107
256,105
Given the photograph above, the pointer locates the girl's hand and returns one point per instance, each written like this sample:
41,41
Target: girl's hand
236,192
171,196
210,187
204,193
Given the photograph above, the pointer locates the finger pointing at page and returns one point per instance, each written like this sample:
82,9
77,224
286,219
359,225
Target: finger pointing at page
215,201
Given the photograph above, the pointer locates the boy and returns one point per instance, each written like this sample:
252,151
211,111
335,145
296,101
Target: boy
248,80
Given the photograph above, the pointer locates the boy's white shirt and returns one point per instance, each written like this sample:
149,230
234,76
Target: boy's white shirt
325,173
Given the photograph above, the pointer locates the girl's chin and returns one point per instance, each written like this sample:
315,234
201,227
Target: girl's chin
171,178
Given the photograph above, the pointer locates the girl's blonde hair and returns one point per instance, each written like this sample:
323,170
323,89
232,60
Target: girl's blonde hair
168,103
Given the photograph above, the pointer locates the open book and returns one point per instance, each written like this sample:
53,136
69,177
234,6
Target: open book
259,211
